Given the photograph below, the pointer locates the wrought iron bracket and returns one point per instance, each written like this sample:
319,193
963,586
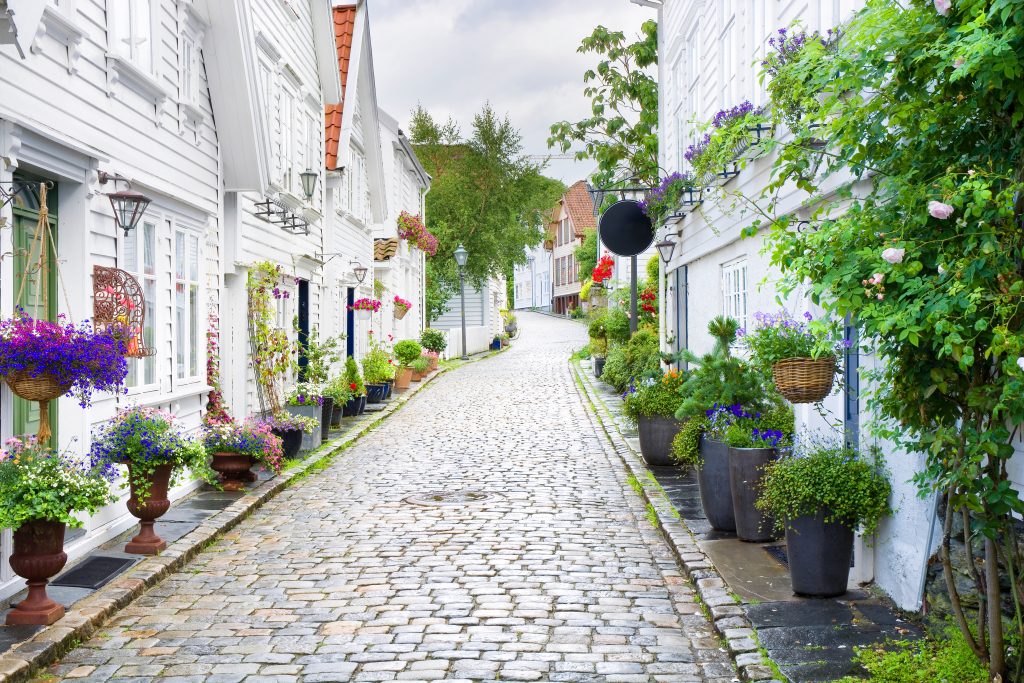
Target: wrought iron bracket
17,187
272,211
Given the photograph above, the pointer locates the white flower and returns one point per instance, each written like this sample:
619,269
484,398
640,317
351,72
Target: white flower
1020,362
942,270
940,210
943,7
893,255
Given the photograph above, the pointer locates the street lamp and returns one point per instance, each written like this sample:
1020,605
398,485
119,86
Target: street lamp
128,205
461,256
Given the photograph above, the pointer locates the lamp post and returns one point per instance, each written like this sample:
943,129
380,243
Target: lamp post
461,256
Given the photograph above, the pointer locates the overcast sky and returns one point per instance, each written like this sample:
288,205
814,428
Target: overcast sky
453,55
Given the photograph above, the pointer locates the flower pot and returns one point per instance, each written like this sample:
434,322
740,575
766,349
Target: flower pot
819,555
400,312
598,366
715,489
390,389
375,393
656,433
154,506
326,412
337,412
804,380
495,345
746,469
38,556
362,405
233,469
310,440
510,330
351,408
291,441
434,362
402,378
363,314
418,376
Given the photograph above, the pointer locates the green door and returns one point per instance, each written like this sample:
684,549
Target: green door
26,217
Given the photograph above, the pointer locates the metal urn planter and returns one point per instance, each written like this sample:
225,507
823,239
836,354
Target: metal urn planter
310,440
715,486
819,555
156,505
234,470
656,433
746,469
38,556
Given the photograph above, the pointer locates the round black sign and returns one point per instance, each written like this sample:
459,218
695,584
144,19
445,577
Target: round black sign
625,229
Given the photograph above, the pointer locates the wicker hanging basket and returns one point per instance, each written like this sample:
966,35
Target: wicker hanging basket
805,380
400,312
43,387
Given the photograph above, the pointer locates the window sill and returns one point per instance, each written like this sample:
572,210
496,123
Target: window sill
121,71
156,397
61,29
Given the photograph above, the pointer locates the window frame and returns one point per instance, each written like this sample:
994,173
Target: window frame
736,300
138,236
116,41
195,330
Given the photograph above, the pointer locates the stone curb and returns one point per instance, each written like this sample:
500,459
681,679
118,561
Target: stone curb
722,609
91,613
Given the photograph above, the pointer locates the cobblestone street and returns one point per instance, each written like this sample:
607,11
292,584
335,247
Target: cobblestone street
543,568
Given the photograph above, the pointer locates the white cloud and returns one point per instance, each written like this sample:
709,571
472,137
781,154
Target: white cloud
453,55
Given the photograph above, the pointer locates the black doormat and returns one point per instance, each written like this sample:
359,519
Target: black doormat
779,553
94,572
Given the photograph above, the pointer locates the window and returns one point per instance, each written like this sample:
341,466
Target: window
734,290
139,258
189,71
187,327
693,83
285,138
130,22
572,268
727,48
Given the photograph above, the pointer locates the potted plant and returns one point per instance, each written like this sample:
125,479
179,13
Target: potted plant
378,369
496,343
320,357
714,390
42,360
598,343
356,384
800,354
754,441
290,429
402,306
434,341
156,451
365,307
238,447
420,368
652,405
40,492
307,400
505,339
412,229
820,498
406,351
340,394
511,324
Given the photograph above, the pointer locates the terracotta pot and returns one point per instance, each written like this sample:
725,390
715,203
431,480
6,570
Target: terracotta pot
233,469
418,376
434,361
155,505
38,556
402,378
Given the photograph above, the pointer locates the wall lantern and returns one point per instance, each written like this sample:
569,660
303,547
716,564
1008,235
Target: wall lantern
129,206
665,248
359,270
308,178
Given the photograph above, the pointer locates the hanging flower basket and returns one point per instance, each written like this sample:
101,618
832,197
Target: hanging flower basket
402,307
805,380
39,388
364,308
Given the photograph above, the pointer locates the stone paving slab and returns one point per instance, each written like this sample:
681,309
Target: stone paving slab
554,573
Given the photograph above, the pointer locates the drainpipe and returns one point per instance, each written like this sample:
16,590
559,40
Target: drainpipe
683,340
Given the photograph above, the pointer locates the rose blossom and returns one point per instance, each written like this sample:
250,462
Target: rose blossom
893,255
942,7
878,277
940,210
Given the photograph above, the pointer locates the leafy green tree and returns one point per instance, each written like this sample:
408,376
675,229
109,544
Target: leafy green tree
621,133
586,253
485,195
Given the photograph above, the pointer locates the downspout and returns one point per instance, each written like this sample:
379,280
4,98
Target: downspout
684,333
423,263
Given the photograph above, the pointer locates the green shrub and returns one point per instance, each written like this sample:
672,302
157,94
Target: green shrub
353,376
654,397
652,270
339,390
420,365
377,367
581,353
577,313
686,444
433,340
616,325
643,355
949,660
406,351
616,371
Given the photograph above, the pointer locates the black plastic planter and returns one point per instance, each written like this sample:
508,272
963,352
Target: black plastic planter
351,408
598,366
715,489
656,433
375,393
325,419
291,441
336,412
746,469
819,555
390,390
362,405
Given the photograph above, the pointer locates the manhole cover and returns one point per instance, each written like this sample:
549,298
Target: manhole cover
440,498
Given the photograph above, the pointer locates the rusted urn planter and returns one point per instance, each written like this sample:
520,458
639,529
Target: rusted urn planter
38,556
234,470
154,505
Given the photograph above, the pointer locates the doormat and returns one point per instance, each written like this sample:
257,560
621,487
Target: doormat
94,572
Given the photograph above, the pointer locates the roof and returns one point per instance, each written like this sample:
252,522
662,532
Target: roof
580,207
383,249
344,30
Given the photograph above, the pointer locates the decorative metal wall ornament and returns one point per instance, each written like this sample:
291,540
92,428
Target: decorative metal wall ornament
120,306
17,187
272,211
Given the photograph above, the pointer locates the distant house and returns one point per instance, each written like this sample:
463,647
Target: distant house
532,280
573,216
483,317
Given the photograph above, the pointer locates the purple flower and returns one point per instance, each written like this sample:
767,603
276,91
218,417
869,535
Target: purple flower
725,116
694,151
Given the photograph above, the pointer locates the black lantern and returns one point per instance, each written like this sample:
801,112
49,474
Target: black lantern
360,272
665,248
308,178
129,206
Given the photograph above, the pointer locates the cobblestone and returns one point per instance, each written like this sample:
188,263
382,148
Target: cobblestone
557,577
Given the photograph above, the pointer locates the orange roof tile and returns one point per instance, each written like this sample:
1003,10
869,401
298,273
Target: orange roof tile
344,28
580,206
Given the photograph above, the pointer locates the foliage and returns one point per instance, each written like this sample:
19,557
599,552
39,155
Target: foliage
434,340
216,411
585,289
147,438
339,390
74,356
582,353
621,134
653,270
306,394
378,367
412,229
597,327
365,304
38,483
729,135
420,365
686,443
771,429
946,660
252,438
790,84
664,199
617,325
616,369
603,270
273,355
379,288
941,223
642,358
407,351
286,422
354,378
577,313
777,336
485,194
656,397
839,481
320,356
586,252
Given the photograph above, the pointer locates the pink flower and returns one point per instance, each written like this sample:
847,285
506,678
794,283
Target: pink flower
958,62
893,255
877,278
880,296
942,7
940,210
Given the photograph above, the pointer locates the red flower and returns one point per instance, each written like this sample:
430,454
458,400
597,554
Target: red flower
352,386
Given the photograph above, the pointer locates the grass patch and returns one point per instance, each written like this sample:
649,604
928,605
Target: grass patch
652,516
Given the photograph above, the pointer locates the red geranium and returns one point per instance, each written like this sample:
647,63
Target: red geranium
603,270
